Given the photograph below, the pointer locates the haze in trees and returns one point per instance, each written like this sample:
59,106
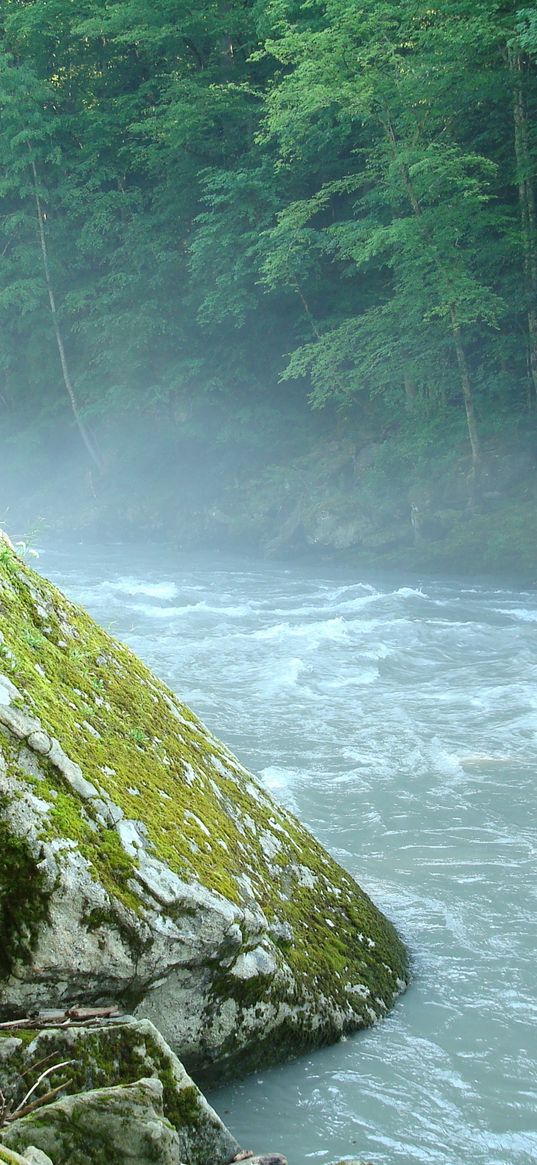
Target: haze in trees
218,217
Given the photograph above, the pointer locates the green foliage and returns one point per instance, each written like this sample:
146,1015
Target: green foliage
24,896
334,194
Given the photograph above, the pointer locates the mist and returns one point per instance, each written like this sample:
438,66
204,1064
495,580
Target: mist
268,412
236,315
281,483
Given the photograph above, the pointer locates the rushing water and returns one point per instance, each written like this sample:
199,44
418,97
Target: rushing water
399,722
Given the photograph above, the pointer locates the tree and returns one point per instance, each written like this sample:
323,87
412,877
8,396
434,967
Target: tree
27,138
412,209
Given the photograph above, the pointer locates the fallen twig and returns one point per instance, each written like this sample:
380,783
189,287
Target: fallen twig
24,1102
83,1013
20,1112
74,1015
38,1063
5,1108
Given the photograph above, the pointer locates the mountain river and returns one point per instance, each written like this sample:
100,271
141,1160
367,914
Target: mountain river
399,722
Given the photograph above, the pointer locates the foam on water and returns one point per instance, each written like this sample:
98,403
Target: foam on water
133,586
400,723
408,592
284,674
518,613
313,632
193,608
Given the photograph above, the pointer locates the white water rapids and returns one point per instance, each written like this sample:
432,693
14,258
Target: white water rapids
399,723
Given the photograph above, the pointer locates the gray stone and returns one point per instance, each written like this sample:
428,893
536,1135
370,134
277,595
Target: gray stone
39,742
8,1047
19,722
72,772
8,691
253,963
36,1156
124,1124
282,931
350,1161
268,1159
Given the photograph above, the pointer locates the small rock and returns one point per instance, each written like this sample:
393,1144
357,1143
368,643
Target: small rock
282,931
39,742
251,964
179,1115
269,1159
8,1047
351,1161
36,1156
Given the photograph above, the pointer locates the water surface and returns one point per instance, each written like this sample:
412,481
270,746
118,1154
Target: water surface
399,722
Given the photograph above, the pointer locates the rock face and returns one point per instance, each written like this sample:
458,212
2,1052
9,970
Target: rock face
141,864
132,1095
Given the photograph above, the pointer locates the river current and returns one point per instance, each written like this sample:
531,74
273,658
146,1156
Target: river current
400,723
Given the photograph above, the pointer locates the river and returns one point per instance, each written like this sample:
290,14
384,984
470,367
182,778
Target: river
399,722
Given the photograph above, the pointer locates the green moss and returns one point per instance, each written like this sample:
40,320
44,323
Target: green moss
100,918
116,1055
292,1037
99,845
181,1106
8,1156
8,559
24,897
97,918
245,992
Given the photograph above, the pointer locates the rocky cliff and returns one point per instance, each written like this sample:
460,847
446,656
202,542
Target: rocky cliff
141,864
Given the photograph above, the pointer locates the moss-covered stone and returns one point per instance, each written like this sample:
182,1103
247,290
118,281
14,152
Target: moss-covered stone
108,1056
109,1126
167,878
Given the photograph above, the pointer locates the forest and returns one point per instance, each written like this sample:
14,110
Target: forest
268,269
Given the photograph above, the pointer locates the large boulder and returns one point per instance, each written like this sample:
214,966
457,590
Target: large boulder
141,864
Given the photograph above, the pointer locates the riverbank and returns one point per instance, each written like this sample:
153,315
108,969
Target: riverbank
370,505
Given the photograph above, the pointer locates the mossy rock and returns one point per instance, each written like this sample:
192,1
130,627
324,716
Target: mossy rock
107,1056
123,1125
143,865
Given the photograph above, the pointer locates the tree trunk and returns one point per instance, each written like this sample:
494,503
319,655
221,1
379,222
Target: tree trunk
307,310
410,390
528,211
466,391
56,326
462,361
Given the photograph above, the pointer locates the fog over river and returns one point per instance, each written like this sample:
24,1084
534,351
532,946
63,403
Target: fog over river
400,723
